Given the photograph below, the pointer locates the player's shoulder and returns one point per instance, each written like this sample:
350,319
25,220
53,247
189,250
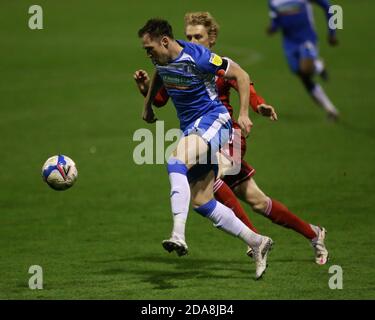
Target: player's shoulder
205,60
193,50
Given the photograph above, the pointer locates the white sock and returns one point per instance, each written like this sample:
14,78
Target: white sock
316,230
180,199
322,98
178,231
251,238
225,219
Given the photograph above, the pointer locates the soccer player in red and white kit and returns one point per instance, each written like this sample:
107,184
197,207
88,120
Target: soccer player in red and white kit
201,28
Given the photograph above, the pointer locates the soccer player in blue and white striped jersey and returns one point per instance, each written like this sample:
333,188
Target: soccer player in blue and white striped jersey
295,19
188,72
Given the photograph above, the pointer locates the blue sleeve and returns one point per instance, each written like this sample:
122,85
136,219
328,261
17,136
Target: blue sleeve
274,18
209,62
325,5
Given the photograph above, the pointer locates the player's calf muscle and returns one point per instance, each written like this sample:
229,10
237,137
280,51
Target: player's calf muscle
201,190
249,192
260,205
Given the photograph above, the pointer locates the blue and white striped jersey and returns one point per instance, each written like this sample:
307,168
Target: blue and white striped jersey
190,82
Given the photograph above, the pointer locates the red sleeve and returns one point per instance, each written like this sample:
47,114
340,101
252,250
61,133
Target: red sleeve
161,98
255,99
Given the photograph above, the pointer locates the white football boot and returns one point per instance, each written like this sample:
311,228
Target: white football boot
250,252
260,256
333,115
177,245
321,252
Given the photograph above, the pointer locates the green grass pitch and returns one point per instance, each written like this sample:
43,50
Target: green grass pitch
68,89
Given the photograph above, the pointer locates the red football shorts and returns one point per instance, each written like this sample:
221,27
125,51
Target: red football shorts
246,172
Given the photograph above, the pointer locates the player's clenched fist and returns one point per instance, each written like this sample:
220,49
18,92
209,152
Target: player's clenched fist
245,124
142,80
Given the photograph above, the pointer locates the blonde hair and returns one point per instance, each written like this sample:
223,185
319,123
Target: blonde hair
205,19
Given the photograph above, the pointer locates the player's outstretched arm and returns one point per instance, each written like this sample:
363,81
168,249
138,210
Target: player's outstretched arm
235,72
257,102
260,106
325,5
148,113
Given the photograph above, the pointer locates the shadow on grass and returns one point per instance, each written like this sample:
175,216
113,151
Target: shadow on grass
172,272
357,129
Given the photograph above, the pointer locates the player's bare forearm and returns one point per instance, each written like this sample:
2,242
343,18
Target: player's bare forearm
244,93
243,83
155,85
325,5
148,113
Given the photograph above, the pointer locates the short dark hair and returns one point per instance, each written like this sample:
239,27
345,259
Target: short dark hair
156,28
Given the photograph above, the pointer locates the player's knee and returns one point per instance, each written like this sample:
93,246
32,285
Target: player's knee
306,72
307,67
199,200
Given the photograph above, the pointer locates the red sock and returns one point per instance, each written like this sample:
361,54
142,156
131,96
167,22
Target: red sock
225,195
280,215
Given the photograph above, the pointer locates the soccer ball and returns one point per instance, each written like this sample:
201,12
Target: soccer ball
60,172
